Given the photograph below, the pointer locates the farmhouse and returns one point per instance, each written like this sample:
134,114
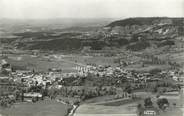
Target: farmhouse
150,112
32,95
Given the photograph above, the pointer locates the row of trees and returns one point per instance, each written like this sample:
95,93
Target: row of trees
83,93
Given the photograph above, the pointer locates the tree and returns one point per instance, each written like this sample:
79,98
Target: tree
180,30
17,94
22,95
162,103
148,102
128,88
139,109
155,89
155,71
174,104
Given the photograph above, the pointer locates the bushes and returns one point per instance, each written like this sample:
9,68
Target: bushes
6,101
148,102
58,44
162,103
166,43
96,45
122,42
138,46
85,93
155,71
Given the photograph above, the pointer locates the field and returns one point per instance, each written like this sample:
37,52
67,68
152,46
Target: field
40,64
122,108
41,108
99,60
138,67
67,63
90,109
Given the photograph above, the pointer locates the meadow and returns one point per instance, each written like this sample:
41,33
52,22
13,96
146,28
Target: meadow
41,108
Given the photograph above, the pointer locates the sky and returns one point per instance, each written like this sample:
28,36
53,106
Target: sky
50,9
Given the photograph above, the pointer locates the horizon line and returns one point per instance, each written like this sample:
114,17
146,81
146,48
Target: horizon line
7,18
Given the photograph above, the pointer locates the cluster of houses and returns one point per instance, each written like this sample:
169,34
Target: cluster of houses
97,81
55,79
108,71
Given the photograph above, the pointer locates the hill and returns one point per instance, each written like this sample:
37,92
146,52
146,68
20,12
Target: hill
148,32
146,21
133,34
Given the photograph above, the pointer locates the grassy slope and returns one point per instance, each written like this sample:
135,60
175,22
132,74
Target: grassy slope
42,108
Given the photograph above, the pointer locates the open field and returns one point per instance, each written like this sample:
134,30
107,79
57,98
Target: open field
101,109
173,112
67,63
40,63
41,108
128,109
99,60
147,68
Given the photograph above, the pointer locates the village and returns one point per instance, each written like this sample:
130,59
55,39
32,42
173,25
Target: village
92,67
89,82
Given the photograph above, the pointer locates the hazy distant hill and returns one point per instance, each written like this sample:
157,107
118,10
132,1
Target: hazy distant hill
146,21
132,34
